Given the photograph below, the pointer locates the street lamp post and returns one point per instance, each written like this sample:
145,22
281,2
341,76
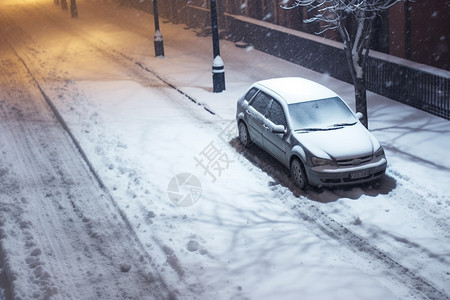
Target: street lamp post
158,39
73,9
218,68
64,4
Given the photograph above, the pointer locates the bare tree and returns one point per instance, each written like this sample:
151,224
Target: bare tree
339,15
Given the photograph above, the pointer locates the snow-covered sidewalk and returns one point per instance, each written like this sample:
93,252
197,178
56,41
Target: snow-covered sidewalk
251,234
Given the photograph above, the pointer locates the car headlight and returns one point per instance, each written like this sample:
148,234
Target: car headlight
317,161
379,153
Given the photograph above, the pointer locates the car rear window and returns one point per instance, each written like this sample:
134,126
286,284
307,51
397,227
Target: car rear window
250,94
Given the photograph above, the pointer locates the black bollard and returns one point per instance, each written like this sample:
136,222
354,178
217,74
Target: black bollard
158,39
217,67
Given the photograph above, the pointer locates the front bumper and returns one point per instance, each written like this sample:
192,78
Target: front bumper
337,176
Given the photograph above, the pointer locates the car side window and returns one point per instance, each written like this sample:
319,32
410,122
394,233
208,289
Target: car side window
250,94
276,114
260,102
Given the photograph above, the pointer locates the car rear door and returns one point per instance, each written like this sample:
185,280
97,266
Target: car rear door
255,112
275,143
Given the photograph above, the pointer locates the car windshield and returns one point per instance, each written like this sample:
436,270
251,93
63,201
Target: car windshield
323,114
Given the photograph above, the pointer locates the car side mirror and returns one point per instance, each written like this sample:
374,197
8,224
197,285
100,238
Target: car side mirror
359,115
279,129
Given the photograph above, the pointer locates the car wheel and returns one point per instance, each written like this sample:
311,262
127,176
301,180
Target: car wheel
244,137
298,174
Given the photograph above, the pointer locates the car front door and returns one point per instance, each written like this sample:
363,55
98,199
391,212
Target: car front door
275,143
255,111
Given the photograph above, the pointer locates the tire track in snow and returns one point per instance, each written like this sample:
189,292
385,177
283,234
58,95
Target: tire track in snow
366,249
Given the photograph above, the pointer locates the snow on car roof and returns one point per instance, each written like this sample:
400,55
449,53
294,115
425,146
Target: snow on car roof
296,89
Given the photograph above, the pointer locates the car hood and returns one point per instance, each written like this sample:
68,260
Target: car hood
344,142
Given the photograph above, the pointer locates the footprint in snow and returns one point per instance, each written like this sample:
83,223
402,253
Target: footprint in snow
125,267
192,246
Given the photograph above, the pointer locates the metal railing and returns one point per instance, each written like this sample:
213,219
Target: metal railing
414,87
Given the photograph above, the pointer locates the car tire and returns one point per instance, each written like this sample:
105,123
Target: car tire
244,136
298,173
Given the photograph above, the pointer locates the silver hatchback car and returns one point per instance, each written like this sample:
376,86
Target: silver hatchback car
311,130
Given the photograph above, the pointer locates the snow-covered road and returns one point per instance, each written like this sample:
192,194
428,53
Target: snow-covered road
55,241
251,235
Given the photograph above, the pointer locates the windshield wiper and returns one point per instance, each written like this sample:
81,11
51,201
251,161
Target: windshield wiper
331,127
313,129
343,124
